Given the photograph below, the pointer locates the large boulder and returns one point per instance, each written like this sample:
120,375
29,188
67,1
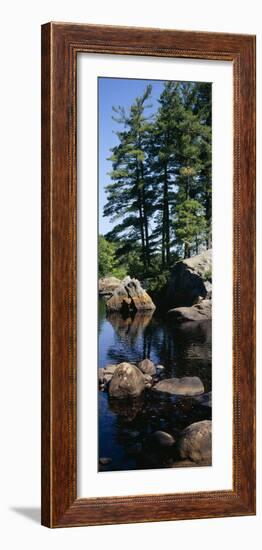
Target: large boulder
189,281
195,443
188,386
107,285
198,312
129,296
119,301
141,301
127,381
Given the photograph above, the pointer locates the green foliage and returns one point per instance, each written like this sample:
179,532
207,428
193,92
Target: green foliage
190,224
208,276
108,264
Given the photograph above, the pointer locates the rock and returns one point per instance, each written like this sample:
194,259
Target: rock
107,378
205,400
107,285
208,287
188,281
101,375
105,374
188,385
199,312
147,367
140,299
195,443
148,378
119,301
148,381
129,296
160,367
160,439
110,369
105,460
158,449
127,381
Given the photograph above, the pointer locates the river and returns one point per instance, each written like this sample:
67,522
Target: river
184,350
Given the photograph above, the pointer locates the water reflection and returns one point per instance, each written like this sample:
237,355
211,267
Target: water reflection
184,350
127,409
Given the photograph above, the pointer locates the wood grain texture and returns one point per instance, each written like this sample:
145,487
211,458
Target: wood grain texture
60,44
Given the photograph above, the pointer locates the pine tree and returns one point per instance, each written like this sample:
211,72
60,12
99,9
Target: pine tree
193,180
128,196
190,225
165,163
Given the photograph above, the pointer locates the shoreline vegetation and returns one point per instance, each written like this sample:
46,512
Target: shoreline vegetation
157,260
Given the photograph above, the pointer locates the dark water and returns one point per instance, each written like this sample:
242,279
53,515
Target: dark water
184,350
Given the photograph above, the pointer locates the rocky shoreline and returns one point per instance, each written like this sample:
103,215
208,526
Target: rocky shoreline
186,297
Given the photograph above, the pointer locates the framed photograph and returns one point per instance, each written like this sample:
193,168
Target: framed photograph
148,275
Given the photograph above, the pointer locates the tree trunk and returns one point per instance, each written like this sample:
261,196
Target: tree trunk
163,243
208,217
196,246
142,232
141,217
147,251
166,227
187,251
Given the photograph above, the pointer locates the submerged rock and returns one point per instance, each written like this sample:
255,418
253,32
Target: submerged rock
130,296
147,367
105,461
198,312
188,386
160,439
195,443
127,381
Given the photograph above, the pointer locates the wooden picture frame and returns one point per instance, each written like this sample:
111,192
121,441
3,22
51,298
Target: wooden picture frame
61,43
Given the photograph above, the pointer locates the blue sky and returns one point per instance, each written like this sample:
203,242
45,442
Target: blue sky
115,92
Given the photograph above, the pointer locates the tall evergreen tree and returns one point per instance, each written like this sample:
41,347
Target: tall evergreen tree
165,162
128,196
194,179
